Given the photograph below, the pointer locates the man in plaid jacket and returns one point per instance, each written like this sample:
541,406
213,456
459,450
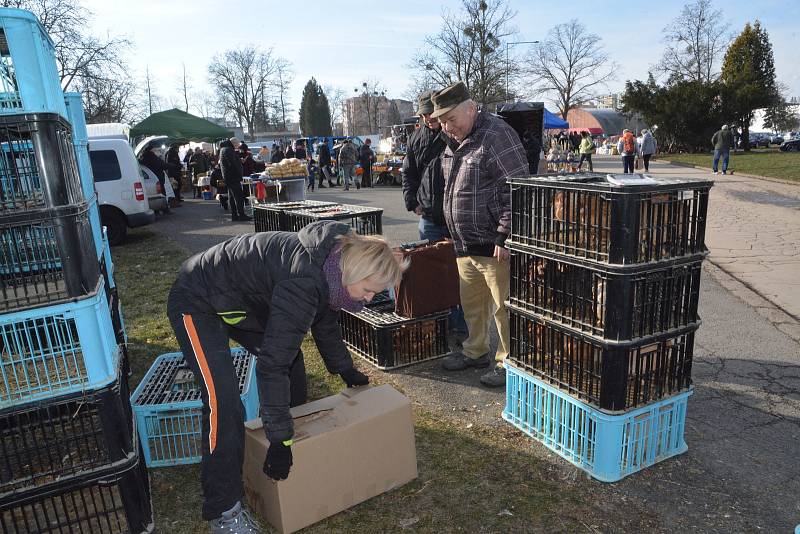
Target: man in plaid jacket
482,152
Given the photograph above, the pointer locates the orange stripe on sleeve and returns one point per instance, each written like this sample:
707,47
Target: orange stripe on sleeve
188,323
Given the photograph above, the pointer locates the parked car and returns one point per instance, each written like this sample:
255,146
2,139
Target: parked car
155,197
793,145
121,193
775,139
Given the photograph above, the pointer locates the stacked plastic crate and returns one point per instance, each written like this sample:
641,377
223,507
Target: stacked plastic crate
605,280
69,457
293,216
168,407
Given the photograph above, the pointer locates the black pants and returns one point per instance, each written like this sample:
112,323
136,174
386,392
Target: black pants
628,163
533,165
178,186
203,339
646,159
236,198
587,157
366,177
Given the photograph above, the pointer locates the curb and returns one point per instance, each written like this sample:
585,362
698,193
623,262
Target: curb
777,316
757,177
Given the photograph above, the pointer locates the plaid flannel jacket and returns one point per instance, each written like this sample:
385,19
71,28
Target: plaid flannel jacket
477,201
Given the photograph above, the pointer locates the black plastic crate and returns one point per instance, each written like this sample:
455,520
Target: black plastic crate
50,441
610,376
388,341
363,219
116,501
46,256
272,217
586,216
38,168
615,305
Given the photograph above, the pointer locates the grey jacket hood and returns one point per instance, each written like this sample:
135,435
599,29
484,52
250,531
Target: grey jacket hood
319,238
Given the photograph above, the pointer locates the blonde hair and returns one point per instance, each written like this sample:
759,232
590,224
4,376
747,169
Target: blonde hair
364,256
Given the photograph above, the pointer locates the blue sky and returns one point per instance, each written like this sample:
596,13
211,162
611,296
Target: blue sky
342,43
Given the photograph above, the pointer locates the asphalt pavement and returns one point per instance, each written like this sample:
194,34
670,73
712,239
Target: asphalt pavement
741,472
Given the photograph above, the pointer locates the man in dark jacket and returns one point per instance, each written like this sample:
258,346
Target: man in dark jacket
231,166
722,141
265,291
198,163
324,156
175,166
365,157
482,152
152,161
423,182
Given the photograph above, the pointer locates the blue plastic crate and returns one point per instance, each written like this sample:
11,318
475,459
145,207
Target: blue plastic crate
29,79
168,408
55,350
608,447
80,140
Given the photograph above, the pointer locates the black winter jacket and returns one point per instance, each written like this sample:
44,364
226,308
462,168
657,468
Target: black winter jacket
150,160
423,180
324,154
275,284
230,163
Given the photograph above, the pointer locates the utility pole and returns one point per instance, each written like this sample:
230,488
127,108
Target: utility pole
149,95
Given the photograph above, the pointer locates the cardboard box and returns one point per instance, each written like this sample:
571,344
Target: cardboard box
347,448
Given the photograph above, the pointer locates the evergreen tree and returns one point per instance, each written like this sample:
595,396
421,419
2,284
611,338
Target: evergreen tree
781,118
748,73
315,112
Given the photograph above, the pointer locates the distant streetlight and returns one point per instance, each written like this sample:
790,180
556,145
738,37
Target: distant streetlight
507,61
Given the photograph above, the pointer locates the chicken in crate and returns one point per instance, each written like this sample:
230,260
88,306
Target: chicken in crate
389,341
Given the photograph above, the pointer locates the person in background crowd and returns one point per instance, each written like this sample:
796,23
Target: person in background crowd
248,164
533,149
198,163
174,168
312,174
300,150
482,153
152,161
423,189
277,154
263,154
265,291
628,148
324,156
722,141
290,151
365,157
586,149
647,148
231,167
348,156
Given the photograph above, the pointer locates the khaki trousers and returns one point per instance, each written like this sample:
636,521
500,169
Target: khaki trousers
484,283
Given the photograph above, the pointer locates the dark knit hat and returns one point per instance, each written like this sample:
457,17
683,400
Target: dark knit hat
448,98
424,103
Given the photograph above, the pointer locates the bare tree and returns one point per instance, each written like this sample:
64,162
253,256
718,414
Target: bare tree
242,78
111,102
366,103
149,90
183,87
570,66
336,97
696,41
284,76
468,47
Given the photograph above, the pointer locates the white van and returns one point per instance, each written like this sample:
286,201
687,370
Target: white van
122,190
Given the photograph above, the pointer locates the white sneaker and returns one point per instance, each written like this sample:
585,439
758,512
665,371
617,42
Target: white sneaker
715,172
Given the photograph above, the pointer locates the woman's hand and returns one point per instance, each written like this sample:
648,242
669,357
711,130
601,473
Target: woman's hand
353,377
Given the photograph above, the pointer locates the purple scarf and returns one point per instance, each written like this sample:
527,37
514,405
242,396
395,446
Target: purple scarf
339,297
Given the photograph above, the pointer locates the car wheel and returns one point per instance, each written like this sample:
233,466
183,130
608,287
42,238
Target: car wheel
116,226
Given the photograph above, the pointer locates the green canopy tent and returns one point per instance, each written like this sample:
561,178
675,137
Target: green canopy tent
179,125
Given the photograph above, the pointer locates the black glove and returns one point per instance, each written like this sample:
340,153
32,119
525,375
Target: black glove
354,377
278,462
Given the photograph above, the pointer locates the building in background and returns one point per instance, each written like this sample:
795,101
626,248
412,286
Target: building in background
612,101
603,121
373,114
